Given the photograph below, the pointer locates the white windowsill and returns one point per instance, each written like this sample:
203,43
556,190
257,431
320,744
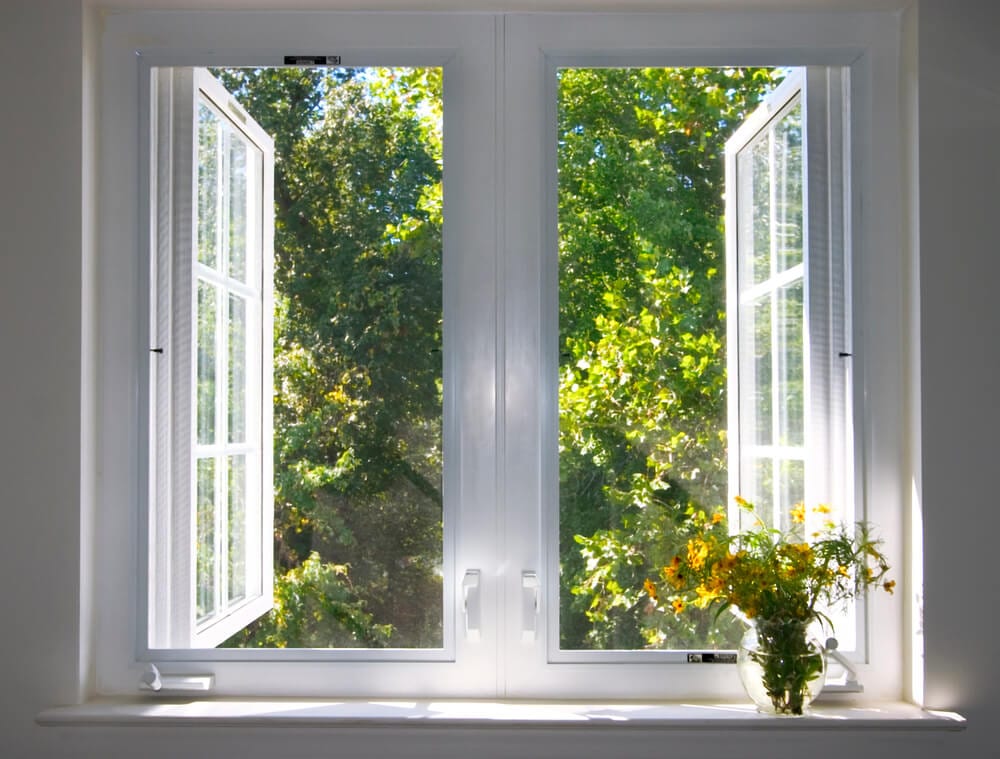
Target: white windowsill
490,714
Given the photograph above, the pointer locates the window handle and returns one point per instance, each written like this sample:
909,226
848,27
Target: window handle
471,605
529,606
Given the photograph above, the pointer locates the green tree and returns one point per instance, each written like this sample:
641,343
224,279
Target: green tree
358,345
642,322
357,354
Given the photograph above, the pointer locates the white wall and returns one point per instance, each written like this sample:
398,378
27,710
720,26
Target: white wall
46,475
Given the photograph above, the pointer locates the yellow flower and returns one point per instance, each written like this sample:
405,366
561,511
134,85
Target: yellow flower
799,513
705,596
718,517
822,509
672,574
843,571
649,588
697,553
678,605
889,585
742,502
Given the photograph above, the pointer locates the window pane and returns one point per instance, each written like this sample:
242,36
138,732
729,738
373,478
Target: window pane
642,375
791,490
754,176
207,305
358,381
759,487
205,550
209,129
237,205
791,367
237,369
237,528
787,137
758,401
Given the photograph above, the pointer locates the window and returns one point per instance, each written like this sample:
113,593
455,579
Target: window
501,357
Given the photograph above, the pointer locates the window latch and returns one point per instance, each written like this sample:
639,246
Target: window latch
153,680
850,684
471,605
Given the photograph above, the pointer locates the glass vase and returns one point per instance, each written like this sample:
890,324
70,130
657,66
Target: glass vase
781,666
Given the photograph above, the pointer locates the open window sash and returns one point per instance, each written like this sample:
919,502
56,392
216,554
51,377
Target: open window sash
210,550
789,334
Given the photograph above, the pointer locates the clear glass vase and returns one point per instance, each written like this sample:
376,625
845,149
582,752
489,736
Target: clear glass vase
781,666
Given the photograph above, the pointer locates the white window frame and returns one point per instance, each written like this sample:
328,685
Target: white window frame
135,46
865,45
501,296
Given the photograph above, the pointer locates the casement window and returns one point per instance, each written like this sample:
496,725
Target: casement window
479,440
210,532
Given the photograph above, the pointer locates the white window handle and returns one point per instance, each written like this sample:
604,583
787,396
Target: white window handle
471,605
529,606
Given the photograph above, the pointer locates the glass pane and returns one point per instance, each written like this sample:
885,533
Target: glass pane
207,305
759,485
788,189
205,550
759,400
791,367
238,208
754,176
642,361
237,369
237,528
209,158
791,489
358,382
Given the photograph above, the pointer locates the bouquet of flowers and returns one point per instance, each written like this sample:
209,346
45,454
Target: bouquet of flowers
781,581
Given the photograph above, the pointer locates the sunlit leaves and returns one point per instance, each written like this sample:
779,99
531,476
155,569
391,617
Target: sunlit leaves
642,370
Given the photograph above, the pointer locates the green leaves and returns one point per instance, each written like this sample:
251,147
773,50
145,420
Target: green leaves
357,356
642,300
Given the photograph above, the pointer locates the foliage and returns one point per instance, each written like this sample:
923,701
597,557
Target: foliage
642,322
769,573
358,388
315,607
357,352
777,578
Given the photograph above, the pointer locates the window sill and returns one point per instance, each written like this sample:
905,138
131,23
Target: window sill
492,715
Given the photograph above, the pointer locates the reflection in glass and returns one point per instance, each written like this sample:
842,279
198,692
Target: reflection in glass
206,369
759,413
237,368
205,547
790,369
209,130
238,209
787,139
791,489
237,528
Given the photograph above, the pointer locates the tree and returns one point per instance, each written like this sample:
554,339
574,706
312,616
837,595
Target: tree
357,403
358,345
642,320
